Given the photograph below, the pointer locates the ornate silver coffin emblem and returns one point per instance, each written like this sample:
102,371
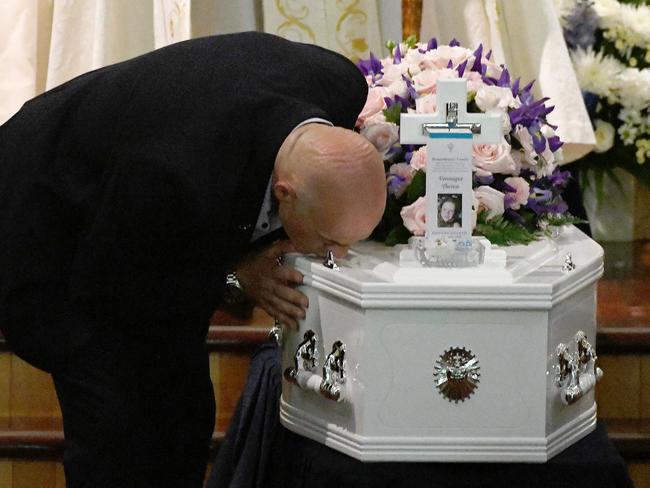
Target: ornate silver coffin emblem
576,374
457,374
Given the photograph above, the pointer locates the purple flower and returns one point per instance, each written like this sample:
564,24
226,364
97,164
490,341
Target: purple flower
515,87
559,178
483,179
554,142
412,92
539,141
370,66
454,42
432,44
461,68
397,99
581,26
529,112
504,79
477,60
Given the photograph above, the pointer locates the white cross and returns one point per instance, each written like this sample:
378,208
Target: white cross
450,91
449,134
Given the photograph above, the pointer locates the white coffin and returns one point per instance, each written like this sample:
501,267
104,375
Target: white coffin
396,322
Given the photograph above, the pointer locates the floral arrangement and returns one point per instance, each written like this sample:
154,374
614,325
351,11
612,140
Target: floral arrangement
517,183
609,42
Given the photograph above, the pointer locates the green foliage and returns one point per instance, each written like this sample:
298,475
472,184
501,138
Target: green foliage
417,188
398,235
503,232
410,41
392,113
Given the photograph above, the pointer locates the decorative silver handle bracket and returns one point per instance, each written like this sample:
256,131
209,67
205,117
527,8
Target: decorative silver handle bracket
452,122
302,374
576,374
329,261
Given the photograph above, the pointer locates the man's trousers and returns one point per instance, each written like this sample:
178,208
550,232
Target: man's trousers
137,411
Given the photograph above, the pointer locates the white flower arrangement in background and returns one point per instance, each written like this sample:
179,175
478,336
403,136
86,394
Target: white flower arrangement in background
610,49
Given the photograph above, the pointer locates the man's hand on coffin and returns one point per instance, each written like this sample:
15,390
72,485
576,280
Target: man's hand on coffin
272,285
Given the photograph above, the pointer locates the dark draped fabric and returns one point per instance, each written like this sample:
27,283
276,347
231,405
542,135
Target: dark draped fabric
250,447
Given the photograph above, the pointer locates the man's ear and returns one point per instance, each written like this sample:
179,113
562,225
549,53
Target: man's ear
283,191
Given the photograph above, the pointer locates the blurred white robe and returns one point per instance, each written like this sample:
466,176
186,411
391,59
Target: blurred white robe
527,37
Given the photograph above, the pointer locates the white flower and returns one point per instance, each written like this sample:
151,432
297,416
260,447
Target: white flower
630,115
604,133
503,117
596,72
633,87
495,97
412,59
548,155
525,139
628,134
634,25
492,69
489,199
609,12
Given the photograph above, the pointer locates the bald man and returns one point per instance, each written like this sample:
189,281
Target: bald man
135,196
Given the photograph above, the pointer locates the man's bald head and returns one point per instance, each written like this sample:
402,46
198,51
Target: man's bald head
329,181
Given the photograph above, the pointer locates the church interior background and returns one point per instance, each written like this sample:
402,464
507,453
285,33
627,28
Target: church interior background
44,43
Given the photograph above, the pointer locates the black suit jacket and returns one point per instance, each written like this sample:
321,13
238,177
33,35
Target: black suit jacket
126,193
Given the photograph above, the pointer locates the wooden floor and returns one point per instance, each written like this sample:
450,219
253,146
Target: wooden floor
30,421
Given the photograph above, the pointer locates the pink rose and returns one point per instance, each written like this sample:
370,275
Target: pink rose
392,73
440,57
493,158
520,196
374,104
474,80
419,159
489,199
414,216
426,104
398,87
425,81
382,135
